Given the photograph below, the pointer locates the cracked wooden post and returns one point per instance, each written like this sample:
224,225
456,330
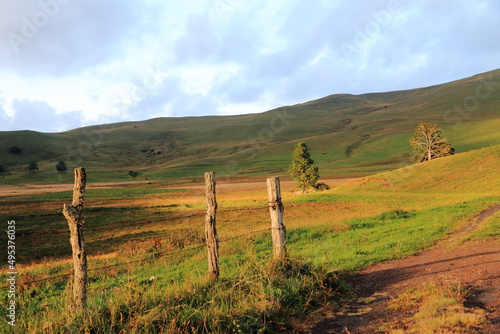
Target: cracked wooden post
74,215
276,211
210,227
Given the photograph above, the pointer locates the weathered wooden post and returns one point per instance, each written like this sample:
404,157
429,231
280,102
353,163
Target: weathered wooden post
74,215
210,227
276,210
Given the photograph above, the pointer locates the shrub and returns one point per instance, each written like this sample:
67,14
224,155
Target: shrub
3,170
15,150
133,174
321,186
32,166
61,167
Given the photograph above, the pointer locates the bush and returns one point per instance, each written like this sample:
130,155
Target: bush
15,150
61,167
396,214
3,170
321,186
133,174
32,166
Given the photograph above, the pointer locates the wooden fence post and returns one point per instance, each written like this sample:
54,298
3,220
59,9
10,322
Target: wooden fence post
210,227
74,215
276,210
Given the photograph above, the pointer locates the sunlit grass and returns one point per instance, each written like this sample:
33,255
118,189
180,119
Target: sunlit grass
471,172
489,229
172,294
438,308
355,243
337,235
148,265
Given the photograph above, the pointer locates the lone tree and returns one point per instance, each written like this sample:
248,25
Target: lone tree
303,169
61,167
3,170
32,166
15,150
133,174
429,144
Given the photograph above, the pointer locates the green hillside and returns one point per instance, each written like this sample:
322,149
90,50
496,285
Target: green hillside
348,134
472,172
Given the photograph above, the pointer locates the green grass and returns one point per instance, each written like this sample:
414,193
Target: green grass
151,278
359,242
252,295
489,229
255,299
471,172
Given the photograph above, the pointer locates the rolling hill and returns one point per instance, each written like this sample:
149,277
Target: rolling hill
350,135
470,172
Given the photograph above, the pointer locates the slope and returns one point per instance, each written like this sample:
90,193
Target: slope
349,135
471,172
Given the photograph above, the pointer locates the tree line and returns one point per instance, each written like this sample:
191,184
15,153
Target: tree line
33,167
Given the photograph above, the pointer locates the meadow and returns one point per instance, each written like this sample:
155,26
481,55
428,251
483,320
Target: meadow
147,261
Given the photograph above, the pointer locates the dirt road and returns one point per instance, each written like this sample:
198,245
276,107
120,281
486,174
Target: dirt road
477,266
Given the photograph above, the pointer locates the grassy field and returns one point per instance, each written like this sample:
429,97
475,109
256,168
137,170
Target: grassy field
147,263
349,136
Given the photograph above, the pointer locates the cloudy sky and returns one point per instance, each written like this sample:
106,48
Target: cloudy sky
68,63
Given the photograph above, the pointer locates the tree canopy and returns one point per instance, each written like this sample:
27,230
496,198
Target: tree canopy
3,170
133,174
61,167
428,143
303,169
15,150
32,166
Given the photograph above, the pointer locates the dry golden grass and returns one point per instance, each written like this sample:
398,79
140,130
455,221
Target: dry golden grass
438,308
49,263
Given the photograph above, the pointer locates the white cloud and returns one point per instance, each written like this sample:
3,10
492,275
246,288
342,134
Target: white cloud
265,102
30,114
200,79
112,61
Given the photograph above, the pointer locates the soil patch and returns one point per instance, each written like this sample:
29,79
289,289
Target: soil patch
36,189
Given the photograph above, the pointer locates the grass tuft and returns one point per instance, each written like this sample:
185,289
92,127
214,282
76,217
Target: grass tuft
438,308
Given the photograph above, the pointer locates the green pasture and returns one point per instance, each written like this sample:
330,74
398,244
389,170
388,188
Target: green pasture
148,264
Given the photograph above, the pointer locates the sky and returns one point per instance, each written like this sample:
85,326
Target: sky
67,63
